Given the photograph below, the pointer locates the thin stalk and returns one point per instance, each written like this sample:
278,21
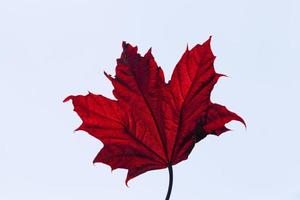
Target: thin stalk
170,182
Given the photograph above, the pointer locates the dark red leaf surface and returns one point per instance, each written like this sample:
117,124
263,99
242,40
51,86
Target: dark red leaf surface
154,124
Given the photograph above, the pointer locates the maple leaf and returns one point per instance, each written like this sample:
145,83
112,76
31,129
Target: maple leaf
153,124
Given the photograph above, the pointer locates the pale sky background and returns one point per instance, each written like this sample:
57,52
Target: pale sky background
50,49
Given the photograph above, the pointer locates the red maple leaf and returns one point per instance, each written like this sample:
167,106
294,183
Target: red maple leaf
153,124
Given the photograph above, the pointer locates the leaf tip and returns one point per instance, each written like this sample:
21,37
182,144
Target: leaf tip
128,48
95,160
108,76
90,93
149,54
207,45
80,128
126,182
243,122
68,98
124,44
240,119
222,75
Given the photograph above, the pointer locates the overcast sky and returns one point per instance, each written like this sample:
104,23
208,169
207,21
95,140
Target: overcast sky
50,49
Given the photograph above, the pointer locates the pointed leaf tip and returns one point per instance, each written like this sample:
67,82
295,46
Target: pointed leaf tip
108,76
243,122
126,182
68,98
128,48
149,51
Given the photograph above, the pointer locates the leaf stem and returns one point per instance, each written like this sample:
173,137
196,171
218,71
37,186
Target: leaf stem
170,181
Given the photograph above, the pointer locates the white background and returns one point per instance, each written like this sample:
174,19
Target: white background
51,49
